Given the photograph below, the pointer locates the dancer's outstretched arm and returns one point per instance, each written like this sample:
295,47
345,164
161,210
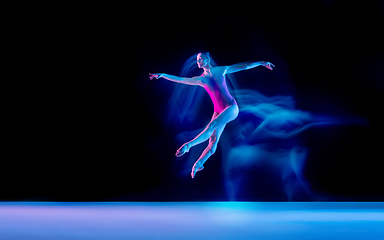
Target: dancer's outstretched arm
248,65
169,77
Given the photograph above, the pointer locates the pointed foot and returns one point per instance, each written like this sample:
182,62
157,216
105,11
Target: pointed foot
197,167
182,150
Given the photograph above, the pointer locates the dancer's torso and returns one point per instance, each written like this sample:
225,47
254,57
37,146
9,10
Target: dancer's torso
217,89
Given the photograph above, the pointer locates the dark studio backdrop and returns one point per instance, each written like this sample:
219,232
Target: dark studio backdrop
88,125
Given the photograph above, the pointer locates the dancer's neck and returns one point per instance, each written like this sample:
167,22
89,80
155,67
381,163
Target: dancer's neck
207,69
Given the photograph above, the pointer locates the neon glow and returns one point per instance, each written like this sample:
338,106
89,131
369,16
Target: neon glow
176,220
277,119
225,107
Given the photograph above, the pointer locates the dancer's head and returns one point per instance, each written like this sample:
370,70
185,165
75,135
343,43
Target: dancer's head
203,59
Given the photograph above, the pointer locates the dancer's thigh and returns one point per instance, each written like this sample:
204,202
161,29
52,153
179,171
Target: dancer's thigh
229,114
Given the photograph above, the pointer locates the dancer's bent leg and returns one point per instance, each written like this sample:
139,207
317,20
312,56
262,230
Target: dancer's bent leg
209,151
227,115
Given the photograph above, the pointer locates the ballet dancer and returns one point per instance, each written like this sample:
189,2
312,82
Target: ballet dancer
225,106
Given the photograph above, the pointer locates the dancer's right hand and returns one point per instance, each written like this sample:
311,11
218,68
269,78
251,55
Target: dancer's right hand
268,65
155,75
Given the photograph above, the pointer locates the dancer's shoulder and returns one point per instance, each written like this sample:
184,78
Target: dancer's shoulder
219,69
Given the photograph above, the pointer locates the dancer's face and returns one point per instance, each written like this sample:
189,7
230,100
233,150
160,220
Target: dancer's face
202,60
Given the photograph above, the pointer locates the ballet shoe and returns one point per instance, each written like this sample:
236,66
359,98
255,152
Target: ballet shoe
194,170
182,150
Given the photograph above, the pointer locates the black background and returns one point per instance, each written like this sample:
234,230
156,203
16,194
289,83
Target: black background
86,124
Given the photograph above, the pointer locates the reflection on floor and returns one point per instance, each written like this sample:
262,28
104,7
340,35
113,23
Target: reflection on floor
192,220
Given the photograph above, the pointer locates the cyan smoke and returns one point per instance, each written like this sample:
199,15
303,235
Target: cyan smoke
254,155
264,161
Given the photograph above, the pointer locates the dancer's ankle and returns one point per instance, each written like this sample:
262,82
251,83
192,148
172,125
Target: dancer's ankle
188,145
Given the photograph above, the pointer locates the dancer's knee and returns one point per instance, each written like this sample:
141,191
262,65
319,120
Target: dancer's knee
212,126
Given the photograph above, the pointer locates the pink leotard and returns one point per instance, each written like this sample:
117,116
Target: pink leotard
218,91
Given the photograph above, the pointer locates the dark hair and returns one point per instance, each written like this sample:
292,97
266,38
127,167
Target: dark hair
211,60
190,69
206,54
